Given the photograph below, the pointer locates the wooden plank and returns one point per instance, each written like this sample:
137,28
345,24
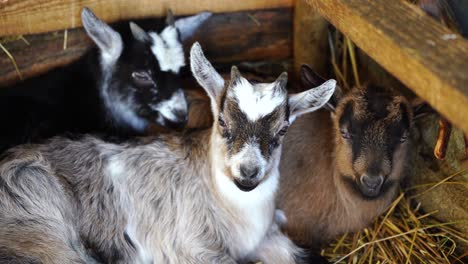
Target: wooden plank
310,39
38,16
424,55
226,38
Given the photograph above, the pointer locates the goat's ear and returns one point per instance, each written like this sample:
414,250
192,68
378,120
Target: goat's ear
205,73
236,76
280,83
187,26
310,100
421,108
170,18
108,40
310,79
139,34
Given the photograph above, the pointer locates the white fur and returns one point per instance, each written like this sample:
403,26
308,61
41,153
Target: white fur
249,154
276,248
280,218
115,169
176,103
256,102
168,50
255,207
144,256
121,109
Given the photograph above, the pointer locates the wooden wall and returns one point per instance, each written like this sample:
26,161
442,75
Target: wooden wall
38,16
226,38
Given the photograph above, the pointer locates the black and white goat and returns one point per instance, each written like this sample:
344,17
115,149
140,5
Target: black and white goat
117,89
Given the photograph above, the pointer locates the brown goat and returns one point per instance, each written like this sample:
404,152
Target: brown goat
341,170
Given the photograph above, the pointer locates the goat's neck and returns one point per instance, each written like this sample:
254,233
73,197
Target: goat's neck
352,206
250,213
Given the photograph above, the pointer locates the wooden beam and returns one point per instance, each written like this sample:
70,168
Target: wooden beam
424,55
226,39
310,39
38,16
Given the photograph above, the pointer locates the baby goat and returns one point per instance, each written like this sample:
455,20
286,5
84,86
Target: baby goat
340,171
128,82
203,197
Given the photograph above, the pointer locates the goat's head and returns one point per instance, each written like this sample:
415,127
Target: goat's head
140,72
372,131
251,119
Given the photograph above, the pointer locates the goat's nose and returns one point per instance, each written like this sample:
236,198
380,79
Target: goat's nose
180,121
249,172
373,182
181,116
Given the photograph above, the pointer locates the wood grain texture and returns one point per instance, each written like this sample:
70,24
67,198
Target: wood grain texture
226,38
38,16
424,55
310,39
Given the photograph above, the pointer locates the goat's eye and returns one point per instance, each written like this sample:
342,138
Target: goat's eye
221,122
142,78
283,130
273,144
345,134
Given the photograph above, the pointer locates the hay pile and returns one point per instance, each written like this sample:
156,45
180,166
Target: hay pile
404,234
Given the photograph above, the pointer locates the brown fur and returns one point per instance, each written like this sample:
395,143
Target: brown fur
318,200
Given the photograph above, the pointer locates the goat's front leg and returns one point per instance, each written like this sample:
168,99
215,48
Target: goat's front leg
277,248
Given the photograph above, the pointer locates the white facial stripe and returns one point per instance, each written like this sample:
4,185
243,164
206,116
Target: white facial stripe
121,108
168,50
256,102
167,108
249,154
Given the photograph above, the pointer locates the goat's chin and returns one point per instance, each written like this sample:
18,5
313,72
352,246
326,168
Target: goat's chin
369,193
365,193
245,187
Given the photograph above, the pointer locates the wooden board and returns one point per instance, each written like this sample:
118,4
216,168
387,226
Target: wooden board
424,55
310,39
226,38
37,16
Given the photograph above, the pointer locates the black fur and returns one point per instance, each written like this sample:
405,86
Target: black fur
67,100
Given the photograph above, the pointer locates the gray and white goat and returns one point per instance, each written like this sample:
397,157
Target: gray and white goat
202,197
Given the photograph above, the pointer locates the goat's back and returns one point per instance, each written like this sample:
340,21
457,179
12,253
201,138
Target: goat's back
37,221
84,200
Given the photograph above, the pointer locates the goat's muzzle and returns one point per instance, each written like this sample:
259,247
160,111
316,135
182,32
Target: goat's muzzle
179,123
371,186
246,185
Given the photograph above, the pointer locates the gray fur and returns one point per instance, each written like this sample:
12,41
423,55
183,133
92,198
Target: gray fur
158,200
